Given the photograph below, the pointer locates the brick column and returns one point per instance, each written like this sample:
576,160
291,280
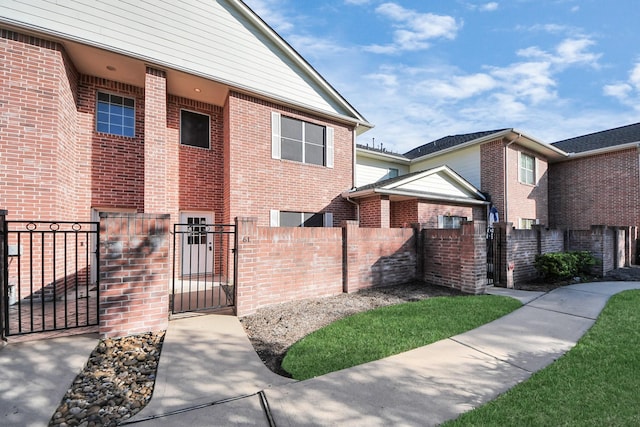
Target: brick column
350,273
134,273
156,152
247,253
473,257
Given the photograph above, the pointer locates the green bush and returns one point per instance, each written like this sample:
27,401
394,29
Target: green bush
564,265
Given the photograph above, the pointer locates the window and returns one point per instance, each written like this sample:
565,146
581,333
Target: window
392,173
301,219
527,169
526,223
194,129
301,141
116,115
197,233
450,221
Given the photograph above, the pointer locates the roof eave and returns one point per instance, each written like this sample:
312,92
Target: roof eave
384,156
573,155
424,196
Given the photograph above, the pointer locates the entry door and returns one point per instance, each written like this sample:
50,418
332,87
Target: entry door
197,244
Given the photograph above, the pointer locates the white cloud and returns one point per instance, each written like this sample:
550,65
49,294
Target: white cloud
627,92
571,51
458,87
414,30
489,7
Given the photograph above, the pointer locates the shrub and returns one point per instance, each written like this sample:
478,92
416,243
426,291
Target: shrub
563,265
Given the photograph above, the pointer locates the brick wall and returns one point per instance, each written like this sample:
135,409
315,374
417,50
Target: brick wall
114,165
284,264
602,189
378,256
258,183
134,273
37,90
492,173
526,201
456,258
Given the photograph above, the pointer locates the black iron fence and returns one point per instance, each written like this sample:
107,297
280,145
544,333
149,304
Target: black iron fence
495,256
204,267
51,278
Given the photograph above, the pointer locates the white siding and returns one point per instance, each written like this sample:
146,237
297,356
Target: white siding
465,162
370,170
437,183
204,37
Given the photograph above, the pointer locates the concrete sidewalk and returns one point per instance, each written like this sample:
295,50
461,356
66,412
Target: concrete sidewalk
209,373
211,376
35,375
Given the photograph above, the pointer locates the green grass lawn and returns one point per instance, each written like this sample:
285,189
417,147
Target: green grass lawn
386,331
597,383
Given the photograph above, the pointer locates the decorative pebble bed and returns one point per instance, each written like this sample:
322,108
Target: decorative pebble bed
116,383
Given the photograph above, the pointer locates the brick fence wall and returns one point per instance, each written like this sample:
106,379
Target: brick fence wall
611,246
134,273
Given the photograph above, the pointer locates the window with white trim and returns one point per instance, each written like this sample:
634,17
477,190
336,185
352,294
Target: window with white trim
300,141
526,223
392,172
527,169
116,114
300,219
195,129
450,221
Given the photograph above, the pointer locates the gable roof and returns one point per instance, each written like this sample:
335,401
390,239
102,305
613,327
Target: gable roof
441,183
448,142
604,139
220,41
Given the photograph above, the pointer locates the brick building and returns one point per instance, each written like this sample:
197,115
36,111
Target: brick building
199,110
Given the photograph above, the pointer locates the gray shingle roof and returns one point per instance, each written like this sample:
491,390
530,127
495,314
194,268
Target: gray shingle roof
447,142
603,139
387,181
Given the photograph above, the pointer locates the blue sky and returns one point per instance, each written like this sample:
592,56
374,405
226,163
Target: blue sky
420,70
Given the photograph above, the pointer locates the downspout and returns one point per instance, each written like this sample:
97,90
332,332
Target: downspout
506,178
353,171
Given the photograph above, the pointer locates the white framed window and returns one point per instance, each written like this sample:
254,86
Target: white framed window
300,219
526,223
300,141
392,172
450,221
527,169
115,114
195,129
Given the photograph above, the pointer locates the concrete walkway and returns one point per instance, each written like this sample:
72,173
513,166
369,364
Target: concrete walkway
210,375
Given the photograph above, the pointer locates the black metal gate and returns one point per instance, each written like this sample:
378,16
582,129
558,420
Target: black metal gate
50,276
494,256
204,266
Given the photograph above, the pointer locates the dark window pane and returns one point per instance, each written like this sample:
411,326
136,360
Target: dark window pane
291,150
313,220
103,127
291,128
290,219
194,129
116,99
103,96
128,102
314,133
314,154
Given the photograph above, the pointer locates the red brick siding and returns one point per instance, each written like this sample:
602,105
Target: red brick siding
492,173
158,191
258,183
34,95
116,162
201,176
602,189
526,201
426,213
371,212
